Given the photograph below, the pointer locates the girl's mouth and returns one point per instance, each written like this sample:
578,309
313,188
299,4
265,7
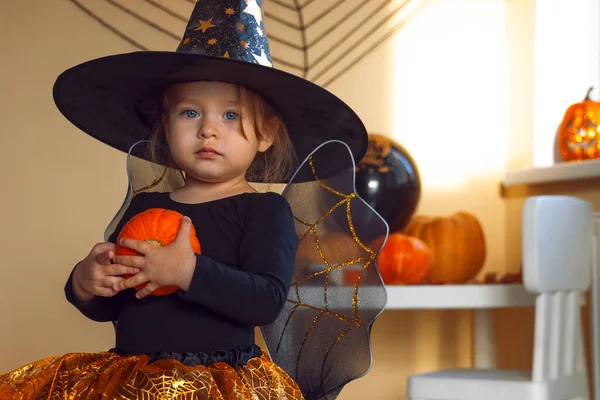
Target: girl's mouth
208,152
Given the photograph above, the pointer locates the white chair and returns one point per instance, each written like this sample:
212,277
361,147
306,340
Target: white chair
558,245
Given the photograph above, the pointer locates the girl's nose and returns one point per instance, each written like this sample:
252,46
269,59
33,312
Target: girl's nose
208,129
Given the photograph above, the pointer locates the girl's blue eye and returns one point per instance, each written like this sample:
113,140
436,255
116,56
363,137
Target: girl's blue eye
231,115
190,113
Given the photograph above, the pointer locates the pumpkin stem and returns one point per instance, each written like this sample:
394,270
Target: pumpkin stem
587,96
154,242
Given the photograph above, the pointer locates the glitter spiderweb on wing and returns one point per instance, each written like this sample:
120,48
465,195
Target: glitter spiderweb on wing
322,337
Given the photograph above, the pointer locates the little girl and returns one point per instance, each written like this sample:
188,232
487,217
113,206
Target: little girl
226,117
241,279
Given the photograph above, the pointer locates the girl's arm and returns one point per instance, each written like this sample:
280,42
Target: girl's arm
100,308
257,293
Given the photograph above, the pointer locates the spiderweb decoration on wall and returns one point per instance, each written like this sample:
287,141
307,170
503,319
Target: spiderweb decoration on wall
317,40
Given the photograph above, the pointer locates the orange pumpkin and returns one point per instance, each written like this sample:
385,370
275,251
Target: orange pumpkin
457,244
403,259
579,130
158,227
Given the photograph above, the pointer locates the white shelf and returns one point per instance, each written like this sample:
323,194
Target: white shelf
420,297
566,171
439,297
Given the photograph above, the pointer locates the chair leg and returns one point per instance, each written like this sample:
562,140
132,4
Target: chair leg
595,313
583,368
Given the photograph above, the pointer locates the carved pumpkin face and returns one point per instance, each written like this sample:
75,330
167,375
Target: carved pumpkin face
158,227
579,130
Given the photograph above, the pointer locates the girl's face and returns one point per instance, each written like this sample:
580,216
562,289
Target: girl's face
203,126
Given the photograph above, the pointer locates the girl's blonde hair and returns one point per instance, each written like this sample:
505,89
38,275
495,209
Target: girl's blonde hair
272,166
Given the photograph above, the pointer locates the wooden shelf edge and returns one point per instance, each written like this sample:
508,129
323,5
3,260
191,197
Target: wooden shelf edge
568,171
465,296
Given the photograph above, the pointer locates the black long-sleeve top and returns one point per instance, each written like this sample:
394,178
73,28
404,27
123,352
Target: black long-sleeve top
241,279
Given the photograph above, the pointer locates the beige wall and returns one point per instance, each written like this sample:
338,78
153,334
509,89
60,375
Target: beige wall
63,187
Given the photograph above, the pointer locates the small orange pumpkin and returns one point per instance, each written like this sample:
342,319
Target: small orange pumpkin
579,131
403,260
457,243
159,227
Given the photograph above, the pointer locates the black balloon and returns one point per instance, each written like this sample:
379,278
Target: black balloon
388,179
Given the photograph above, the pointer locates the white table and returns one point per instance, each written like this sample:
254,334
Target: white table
482,298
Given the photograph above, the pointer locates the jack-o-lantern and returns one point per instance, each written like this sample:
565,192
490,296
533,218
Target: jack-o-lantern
579,130
159,227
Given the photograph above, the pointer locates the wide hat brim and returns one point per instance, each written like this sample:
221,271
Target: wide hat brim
116,99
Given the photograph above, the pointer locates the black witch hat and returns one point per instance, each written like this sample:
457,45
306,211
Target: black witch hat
116,99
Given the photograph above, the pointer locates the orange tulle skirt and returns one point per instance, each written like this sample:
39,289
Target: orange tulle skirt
107,375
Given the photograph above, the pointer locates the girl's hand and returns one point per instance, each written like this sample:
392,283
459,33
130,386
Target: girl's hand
172,265
96,276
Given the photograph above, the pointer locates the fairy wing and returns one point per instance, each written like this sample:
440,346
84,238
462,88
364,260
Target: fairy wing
322,336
